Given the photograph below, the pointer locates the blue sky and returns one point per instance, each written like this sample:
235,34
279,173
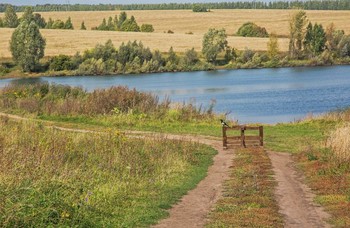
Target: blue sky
32,2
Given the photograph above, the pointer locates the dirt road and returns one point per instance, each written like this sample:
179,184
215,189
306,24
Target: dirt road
294,197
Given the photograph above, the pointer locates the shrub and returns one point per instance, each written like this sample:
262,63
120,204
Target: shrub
246,56
3,70
170,31
58,24
61,62
199,8
250,29
92,66
147,28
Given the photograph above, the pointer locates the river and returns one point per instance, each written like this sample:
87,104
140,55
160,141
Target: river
256,95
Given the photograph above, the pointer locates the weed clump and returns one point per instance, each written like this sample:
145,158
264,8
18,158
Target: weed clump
339,142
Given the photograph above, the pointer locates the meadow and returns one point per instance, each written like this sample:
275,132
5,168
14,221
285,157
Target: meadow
55,178
181,22
66,178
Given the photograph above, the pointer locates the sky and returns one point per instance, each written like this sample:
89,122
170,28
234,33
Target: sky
40,2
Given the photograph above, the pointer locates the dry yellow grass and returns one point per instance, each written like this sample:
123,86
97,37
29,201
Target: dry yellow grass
70,41
179,21
339,141
182,21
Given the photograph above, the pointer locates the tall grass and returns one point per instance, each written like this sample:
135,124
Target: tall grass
118,107
338,115
55,178
339,142
60,100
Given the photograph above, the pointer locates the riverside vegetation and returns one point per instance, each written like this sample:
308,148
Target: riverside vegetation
309,44
319,145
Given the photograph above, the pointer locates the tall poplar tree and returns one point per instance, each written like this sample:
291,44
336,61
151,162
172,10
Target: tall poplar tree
27,44
297,26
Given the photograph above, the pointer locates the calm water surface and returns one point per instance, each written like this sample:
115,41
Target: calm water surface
258,95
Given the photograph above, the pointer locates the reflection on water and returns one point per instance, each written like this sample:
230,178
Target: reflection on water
256,95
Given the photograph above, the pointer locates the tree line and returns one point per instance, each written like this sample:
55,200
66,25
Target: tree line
11,20
123,23
306,5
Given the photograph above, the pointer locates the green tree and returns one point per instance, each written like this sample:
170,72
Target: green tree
110,24
27,45
172,57
157,57
272,46
1,23
122,17
315,39
11,19
28,14
214,42
103,25
297,25
130,25
68,24
39,20
50,23
82,27
191,57
116,21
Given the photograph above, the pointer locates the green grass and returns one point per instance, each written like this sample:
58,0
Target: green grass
294,137
64,179
132,122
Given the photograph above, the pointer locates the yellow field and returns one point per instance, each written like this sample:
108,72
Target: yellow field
179,21
71,41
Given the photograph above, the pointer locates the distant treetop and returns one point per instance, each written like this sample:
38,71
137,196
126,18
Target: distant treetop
307,5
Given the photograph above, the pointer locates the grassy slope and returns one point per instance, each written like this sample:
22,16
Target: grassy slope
55,178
